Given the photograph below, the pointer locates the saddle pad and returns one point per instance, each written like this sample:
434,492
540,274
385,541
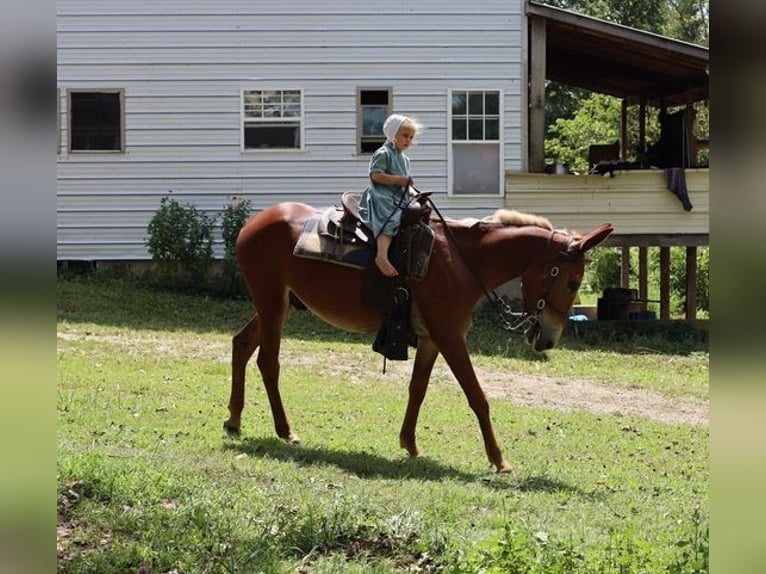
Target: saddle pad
313,245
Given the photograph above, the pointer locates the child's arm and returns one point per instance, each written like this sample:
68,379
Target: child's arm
388,179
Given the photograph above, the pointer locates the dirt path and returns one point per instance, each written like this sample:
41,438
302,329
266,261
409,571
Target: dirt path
518,388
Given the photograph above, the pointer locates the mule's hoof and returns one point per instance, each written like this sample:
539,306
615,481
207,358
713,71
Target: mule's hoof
292,438
504,467
230,428
412,452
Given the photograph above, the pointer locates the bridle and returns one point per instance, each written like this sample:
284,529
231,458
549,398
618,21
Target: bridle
515,321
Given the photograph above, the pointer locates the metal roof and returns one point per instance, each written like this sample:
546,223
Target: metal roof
621,61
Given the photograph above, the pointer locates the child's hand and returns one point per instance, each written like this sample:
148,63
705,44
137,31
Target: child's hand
405,181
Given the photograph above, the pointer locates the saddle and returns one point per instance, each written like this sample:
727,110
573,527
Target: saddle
338,235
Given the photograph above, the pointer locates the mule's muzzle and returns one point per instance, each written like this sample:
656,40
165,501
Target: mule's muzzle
532,333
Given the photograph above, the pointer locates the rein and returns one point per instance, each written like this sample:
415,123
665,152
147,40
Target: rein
512,321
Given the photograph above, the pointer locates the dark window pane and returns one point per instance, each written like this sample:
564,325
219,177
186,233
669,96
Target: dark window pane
492,129
476,103
272,136
459,131
492,103
370,144
475,129
96,121
373,98
459,103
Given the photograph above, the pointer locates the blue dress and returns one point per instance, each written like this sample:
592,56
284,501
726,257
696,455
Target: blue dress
380,206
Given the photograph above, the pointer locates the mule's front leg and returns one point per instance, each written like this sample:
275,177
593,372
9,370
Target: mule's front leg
425,357
268,363
243,346
456,354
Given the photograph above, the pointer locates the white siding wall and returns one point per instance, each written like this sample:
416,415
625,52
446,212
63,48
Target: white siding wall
183,64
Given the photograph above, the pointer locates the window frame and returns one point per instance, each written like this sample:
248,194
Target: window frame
244,120
360,115
70,131
451,142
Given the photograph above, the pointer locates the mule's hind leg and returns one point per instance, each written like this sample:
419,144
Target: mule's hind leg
268,363
243,345
425,357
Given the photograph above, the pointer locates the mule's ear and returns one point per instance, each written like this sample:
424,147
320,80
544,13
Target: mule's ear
593,238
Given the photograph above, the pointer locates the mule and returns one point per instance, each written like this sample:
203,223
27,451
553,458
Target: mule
467,260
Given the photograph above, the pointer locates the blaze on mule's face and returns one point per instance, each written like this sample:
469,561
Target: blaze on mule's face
550,288
549,292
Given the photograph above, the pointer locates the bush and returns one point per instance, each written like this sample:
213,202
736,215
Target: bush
233,217
181,242
678,278
604,270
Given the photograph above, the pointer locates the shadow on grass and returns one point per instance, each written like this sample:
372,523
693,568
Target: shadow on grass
367,465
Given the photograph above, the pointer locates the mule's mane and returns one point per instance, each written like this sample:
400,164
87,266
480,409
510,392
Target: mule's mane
518,218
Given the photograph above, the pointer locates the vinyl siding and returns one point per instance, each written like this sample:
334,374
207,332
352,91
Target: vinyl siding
183,65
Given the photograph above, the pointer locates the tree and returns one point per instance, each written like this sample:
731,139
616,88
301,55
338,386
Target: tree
596,120
688,20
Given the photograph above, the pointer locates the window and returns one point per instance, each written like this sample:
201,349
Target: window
374,106
95,120
272,119
475,128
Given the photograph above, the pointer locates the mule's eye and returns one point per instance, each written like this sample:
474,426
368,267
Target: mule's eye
573,286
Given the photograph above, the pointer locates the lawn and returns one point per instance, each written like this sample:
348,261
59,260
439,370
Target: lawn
148,479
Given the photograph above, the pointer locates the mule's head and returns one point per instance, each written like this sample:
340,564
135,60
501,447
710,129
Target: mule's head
550,286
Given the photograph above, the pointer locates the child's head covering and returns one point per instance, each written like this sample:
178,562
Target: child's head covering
392,124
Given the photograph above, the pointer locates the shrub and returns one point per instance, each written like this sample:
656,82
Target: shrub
233,217
678,278
604,270
181,241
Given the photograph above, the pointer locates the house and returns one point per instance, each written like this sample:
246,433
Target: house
274,102
210,101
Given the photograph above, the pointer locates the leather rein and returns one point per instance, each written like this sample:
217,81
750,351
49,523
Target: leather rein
512,321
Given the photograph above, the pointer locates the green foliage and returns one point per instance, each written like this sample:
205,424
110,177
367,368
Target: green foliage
576,118
678,277
604,269
688,20
649,15
596,121
233,217
181,241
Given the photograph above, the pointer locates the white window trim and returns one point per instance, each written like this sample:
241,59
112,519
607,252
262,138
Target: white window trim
70,151
500,143
242,120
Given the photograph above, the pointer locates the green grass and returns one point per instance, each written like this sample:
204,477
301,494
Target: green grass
146,475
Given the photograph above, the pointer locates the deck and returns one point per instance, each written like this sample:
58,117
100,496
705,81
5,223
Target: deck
638,203
641,208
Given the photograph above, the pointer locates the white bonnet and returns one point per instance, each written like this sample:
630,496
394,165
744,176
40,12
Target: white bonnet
392,124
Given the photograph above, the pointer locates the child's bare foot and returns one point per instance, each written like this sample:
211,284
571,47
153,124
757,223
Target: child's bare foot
385,267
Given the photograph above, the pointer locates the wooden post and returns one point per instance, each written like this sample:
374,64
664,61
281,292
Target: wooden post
536,118
642,124
625,274
691,283
624,141
665,283
643,276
